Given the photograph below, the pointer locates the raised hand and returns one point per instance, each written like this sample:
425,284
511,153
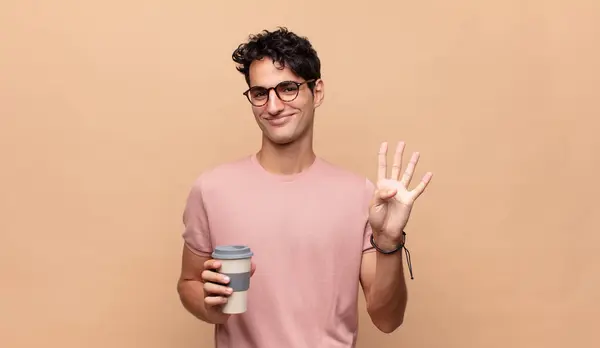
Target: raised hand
393,201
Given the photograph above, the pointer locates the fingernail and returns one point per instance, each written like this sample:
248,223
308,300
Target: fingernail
229,291
226,279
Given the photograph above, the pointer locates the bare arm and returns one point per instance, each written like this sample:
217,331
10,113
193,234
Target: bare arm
382,275
191,289
382,280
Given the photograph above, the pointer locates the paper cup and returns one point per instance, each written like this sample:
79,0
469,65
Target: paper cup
236,264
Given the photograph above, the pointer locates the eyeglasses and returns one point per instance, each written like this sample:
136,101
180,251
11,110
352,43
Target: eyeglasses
287,91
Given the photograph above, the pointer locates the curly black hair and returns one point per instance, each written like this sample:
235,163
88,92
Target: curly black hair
283,47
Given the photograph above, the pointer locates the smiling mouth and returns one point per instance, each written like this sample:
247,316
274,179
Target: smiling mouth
275,118
278,121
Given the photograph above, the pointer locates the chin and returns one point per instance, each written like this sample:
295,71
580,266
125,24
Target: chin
281,136
281,140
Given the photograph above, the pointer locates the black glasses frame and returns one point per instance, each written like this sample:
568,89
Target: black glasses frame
298,85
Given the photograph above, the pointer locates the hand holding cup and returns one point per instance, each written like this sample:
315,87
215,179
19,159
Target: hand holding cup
226,279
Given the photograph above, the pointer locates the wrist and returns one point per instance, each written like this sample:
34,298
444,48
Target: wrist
389,246
385,242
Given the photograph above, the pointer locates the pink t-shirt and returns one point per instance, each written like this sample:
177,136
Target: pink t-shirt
308,232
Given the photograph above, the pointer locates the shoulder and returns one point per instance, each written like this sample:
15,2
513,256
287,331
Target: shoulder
347,179
220,175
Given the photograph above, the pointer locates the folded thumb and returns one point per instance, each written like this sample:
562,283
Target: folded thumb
383,195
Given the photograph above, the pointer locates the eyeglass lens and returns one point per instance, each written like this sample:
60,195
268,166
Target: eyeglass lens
286,91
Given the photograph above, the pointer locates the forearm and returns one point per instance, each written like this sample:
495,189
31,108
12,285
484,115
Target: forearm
388,294
191,293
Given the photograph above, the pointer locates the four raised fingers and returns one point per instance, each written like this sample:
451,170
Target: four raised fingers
382,162
397,161
397,165
410,170
423,184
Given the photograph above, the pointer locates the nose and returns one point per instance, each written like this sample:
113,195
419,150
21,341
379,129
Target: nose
275,105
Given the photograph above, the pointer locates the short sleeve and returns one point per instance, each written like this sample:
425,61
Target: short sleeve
196,232
368,196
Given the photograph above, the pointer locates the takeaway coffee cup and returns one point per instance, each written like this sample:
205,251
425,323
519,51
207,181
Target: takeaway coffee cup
236,264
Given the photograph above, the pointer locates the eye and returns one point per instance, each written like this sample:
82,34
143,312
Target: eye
287,87
257,93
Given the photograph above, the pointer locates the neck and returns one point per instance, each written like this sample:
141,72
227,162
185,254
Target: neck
286,159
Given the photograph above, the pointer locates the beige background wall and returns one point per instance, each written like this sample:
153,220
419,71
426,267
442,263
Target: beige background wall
110,109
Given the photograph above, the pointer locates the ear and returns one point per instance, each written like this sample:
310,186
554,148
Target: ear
318,93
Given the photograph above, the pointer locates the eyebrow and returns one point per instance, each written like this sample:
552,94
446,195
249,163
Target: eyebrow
259,86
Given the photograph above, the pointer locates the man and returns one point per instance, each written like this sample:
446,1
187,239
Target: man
317,231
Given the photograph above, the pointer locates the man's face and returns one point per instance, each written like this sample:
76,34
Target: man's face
283,122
